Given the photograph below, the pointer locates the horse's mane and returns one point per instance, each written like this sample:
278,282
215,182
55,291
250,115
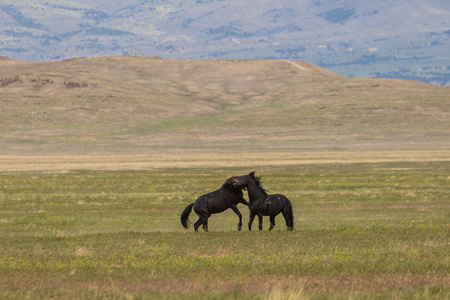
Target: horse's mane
227,187
258,182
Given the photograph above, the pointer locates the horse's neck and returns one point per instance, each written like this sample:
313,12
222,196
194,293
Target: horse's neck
255,192
232,193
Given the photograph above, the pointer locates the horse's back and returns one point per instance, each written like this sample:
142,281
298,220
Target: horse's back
211,203
281,197
278,202
201,204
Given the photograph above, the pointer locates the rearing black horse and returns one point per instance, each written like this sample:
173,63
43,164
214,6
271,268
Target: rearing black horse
262,204
228,196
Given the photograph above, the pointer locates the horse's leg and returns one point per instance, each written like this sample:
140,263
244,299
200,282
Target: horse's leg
236,211
197,224
260,218
202,211
272,222
203,219
252,217
205,223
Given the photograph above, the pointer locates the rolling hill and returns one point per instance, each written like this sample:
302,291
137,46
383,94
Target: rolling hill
143,105
391,39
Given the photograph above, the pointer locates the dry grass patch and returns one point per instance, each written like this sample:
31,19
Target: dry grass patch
213,160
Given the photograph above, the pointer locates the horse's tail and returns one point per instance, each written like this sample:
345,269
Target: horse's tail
185,216
291,216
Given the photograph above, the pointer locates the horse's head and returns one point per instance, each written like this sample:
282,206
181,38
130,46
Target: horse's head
242,182
234,182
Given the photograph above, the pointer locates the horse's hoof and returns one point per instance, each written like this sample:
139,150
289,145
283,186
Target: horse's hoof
239,228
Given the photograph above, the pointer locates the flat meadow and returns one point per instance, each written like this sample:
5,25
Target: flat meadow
374,230
99,157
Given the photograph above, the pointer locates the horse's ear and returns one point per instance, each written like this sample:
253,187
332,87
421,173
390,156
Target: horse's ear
252,174
228,182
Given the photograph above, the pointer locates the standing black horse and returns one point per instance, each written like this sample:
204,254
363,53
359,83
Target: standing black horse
228,196
261,204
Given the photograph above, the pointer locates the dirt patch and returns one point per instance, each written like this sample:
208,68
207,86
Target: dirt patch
248,285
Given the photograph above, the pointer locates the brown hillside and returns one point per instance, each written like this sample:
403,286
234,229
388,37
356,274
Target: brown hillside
138,105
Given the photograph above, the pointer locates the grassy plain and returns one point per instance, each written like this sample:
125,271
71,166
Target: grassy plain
371,230
98,157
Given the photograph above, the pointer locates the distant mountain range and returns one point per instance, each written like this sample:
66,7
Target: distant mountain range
407,39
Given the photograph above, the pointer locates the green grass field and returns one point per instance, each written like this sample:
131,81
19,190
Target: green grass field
363,230
99,157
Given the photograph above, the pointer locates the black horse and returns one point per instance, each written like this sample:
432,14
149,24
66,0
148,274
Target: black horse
261,204
228,196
